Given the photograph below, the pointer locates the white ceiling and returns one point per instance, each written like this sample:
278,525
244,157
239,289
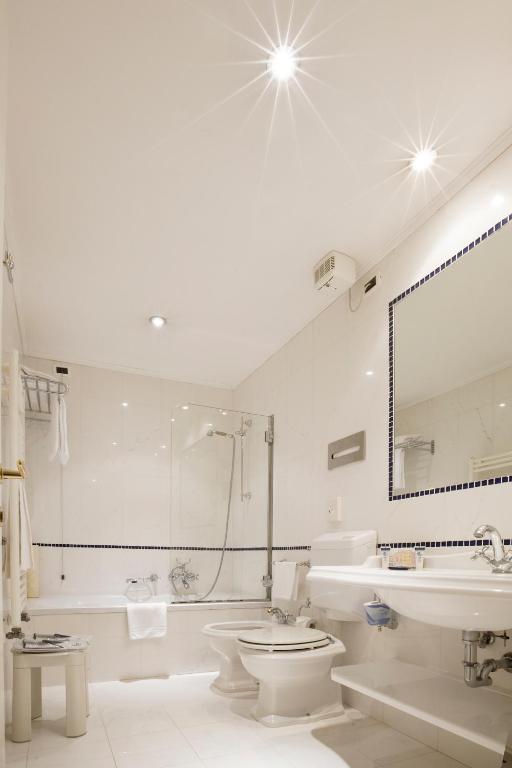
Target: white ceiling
137,186
456,328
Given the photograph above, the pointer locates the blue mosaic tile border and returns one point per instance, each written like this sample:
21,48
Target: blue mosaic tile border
391,314
440,544
169,549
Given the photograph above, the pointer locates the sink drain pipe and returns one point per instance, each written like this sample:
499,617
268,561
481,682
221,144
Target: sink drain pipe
478,674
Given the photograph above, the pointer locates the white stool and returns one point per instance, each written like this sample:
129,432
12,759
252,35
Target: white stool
27,690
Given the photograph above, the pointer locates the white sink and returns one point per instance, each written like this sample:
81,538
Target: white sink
447,597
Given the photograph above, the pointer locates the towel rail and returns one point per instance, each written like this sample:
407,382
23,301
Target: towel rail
38,391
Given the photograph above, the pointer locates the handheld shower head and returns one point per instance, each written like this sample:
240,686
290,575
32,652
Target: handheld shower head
218,433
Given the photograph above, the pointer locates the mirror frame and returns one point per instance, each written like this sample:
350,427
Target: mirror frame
391,429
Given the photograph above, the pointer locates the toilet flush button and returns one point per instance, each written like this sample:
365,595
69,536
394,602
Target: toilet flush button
335,513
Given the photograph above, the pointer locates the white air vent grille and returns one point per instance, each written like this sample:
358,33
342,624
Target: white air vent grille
325,267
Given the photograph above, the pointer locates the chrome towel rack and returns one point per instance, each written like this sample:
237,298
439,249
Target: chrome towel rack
38,391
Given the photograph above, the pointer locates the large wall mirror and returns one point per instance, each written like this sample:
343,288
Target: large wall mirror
451,373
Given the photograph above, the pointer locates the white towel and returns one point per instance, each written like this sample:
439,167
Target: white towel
284,580
18,503
146,620
399,469
59,427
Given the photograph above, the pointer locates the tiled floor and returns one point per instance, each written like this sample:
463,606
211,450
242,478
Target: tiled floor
179,723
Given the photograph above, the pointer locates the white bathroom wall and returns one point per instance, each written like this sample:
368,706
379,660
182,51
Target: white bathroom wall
317,387
116,488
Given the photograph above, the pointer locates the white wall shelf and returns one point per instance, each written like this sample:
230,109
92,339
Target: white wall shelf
480,715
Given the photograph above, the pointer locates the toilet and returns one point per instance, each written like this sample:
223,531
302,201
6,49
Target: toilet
233,678
293,663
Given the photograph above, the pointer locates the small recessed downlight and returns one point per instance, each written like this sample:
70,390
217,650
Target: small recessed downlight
157,321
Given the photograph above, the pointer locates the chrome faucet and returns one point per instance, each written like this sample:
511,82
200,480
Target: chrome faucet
501,560
283,617
182,576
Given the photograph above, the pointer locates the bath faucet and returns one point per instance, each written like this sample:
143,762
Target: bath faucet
501,560
283,617
182,575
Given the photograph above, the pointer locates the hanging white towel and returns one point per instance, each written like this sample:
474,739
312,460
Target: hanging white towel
284,580
147,620
401,442
399,469
18,504
59,429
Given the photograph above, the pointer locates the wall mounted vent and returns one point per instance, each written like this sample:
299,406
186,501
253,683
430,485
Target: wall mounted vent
336,272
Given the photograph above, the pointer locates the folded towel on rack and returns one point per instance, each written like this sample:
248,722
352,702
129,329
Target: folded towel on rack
284,580
147,620
59,427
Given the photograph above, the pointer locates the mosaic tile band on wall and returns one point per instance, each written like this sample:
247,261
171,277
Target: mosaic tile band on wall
470,543
169,549
391,430
295,548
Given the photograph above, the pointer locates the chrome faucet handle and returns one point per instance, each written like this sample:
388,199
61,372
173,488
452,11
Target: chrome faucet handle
482,552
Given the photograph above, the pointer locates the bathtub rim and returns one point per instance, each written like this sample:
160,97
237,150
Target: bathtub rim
214,605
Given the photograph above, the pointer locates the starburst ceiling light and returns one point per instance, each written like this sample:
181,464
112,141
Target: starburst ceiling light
423,159
282,63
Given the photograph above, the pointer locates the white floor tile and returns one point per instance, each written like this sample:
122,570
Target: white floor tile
133,719
161,749
18,762
433,760
261,757
216,739
178,722
386,746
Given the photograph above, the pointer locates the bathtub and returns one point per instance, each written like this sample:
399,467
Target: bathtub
114,656
61,604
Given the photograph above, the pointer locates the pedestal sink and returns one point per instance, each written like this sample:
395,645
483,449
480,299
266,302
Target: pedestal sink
470,599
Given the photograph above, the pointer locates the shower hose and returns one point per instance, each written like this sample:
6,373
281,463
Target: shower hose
226,531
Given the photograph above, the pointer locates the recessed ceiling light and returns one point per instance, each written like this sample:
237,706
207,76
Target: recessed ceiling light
163,447
184,407
224,413
282,64
423,159
114,443
173,419
125,404
157,321
497,200
502,405
369,373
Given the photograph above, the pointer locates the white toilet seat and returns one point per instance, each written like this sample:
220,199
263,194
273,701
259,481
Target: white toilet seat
232,629
283,637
